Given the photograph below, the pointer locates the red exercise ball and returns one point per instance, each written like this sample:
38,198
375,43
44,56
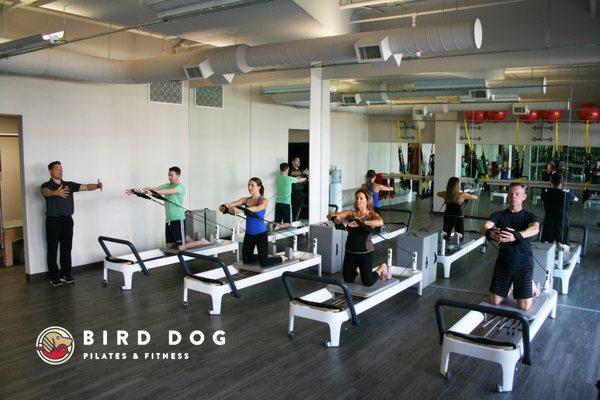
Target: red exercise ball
476,117
551,115
496,116
530,118
588,112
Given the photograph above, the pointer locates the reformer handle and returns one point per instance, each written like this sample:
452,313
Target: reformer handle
320,279
441,303
215,260
103,239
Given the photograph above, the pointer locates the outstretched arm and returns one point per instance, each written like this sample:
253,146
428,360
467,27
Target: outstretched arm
230,207
86,187
383,188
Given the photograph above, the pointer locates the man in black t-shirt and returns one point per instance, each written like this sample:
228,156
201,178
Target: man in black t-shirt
514,229
59,223
557,204
297,188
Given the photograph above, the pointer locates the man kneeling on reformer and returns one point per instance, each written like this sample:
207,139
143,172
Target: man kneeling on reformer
359,247
513,228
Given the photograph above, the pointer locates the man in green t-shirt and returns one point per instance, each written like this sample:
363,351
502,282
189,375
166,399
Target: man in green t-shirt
283,203
174,192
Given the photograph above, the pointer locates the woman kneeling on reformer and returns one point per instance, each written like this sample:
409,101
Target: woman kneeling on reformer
254,208
454,200
359,247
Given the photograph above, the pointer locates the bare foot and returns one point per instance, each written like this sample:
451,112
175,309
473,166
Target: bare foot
382,271
535,290
565,247
283,258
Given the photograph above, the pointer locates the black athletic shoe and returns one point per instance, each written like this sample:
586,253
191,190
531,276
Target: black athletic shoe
67,279
55,282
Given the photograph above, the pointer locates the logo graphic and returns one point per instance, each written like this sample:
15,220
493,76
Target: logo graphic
55,345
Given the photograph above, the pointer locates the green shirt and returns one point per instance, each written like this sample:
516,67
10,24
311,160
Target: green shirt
283,183
172,211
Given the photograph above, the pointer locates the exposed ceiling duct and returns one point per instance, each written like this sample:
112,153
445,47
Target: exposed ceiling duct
219,65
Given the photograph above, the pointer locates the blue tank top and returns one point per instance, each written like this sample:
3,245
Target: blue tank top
254,225
375,198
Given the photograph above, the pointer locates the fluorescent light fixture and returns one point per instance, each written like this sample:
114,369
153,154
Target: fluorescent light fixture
29,43
54,37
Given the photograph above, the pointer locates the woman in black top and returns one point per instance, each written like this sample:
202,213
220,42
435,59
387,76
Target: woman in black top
359,247
454,200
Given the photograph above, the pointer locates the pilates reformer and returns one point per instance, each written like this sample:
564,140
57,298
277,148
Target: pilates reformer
451,249
339,302
565,262
230,279
129,264
498,333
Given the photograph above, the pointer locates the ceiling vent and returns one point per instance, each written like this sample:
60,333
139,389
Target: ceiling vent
520,109
373,49
348,99
192,71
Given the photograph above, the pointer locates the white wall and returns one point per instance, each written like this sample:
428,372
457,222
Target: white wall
11,178
249,137
97,131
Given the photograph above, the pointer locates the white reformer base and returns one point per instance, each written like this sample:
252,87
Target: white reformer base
334,318
505,356
297,228
503,195
216,291
565,265
447,260
380,237
157,259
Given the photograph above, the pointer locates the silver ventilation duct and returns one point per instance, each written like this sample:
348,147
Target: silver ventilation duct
219,65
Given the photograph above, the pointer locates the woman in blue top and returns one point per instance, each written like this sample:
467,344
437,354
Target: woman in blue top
374,189
256,231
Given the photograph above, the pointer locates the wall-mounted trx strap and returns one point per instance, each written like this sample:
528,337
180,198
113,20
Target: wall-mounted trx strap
588,149
517,133
468,135
556,145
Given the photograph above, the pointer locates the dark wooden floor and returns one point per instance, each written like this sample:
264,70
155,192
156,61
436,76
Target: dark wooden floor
393,354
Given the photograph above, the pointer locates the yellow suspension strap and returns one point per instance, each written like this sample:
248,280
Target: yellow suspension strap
517,133
588,149
398,133
468,135
556,145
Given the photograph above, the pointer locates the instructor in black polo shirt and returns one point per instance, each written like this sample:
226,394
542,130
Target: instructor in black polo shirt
513,228
59,223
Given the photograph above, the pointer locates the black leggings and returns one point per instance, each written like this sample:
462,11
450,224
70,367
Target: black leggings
364,262
262,244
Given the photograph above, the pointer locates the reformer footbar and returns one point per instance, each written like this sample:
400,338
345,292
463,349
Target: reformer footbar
129,264
229,279
324,305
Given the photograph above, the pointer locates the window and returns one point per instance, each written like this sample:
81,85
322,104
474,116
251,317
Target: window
210,96
168,92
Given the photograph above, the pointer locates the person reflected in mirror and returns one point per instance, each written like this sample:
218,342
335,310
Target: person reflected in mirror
454,200
283,202
374,189
557,203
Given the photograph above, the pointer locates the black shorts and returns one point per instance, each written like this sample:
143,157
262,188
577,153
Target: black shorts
553,233
175,232
521,280
458,223
283,213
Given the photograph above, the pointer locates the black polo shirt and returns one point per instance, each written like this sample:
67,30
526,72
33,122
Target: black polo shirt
557,204
57,206
515,255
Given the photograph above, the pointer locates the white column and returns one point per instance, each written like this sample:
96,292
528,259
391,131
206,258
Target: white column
447,157
319,145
